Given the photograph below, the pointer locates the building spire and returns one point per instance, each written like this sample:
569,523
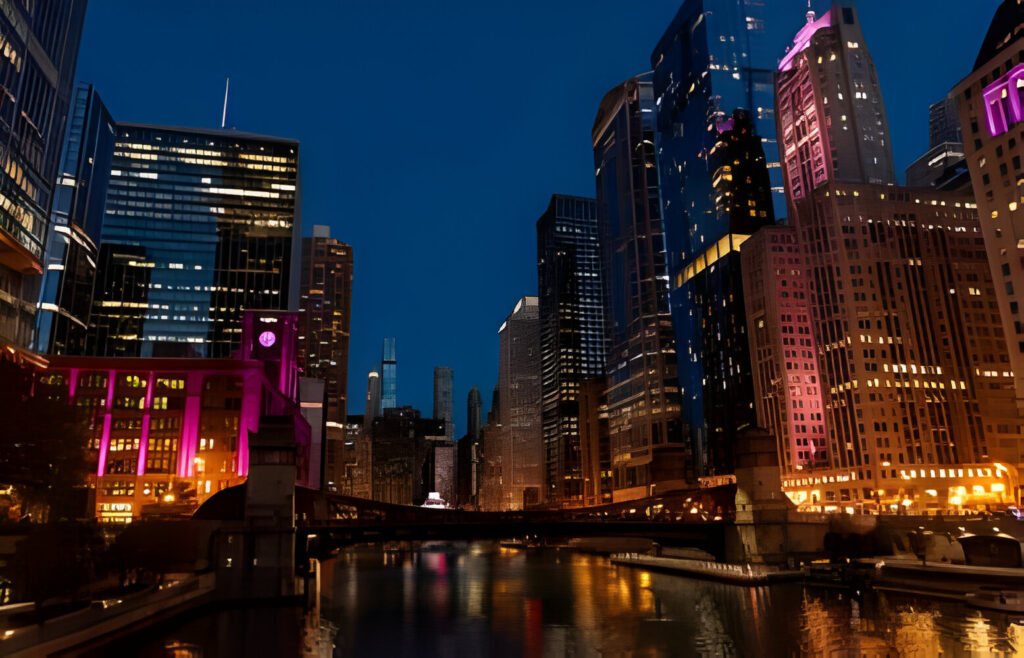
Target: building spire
224,114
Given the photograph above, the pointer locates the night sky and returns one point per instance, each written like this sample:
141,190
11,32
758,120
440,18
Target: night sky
433,133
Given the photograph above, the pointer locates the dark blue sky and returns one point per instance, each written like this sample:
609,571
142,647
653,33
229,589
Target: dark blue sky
433,133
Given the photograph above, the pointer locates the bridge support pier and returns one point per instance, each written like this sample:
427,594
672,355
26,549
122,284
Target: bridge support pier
768,530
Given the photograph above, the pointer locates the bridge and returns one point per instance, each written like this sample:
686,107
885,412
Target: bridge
696,518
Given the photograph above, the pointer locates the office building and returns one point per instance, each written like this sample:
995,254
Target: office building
942,167
40,48
388,375
992,113
913,372
715,57
784,355
519,392
944,123
372,398
595,453
213,216
573,345
65,300
401,443
325,316
647,446
474,411
444,402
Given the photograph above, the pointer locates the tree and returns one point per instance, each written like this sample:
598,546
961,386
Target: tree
43,441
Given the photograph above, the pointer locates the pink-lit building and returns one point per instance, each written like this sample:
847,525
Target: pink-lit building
783,352
169,433
915,384
991,104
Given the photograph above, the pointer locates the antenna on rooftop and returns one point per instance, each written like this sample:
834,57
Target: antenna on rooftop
224,114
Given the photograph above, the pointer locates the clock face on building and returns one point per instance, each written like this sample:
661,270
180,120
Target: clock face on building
267,338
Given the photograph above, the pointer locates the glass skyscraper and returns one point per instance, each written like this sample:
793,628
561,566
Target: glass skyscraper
40,50
715,57
388,375
573,345
647,447
65,301
213,216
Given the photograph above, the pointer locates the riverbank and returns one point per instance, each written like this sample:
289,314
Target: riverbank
749,574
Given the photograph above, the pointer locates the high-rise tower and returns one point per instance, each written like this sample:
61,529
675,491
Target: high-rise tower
38,67
325,315
715,57
388,376
473,414
65,302
991,102
372,399
444,402
573,346
646,442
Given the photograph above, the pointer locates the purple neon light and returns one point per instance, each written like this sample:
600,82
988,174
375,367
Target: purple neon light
803,39
144,436
267,338
1000,113
101,467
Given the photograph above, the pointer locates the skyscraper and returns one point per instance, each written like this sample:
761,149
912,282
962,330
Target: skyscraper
991,103
65,302
915,406
573,346
830,108
519,392
213,215
325,315
646,442
38,67
714,288
474,412
944,123
388,375
716,56
444,403
372,398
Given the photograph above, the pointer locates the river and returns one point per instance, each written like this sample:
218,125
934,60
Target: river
481,600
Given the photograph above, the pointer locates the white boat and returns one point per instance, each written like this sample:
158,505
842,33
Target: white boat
434,501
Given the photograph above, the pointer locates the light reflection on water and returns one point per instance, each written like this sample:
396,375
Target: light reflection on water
549,603
484,601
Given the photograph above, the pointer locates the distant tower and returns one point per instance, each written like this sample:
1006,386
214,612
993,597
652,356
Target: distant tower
372,398
388,375
444,403
474,407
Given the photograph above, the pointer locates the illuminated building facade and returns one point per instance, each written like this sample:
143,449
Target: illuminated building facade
915,381
40,50
715,56
832,120
444,402
169,433
65,301
595,454
519,416
646,441
573,346
388,375
784,356
325,316
325,313
991,102
214,217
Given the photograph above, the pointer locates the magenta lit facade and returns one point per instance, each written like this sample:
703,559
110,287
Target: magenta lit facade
169,433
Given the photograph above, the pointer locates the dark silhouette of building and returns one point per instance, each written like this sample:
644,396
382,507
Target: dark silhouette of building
444,402
573,345
37,71
401,443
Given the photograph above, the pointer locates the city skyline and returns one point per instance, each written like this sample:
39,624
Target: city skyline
911,79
